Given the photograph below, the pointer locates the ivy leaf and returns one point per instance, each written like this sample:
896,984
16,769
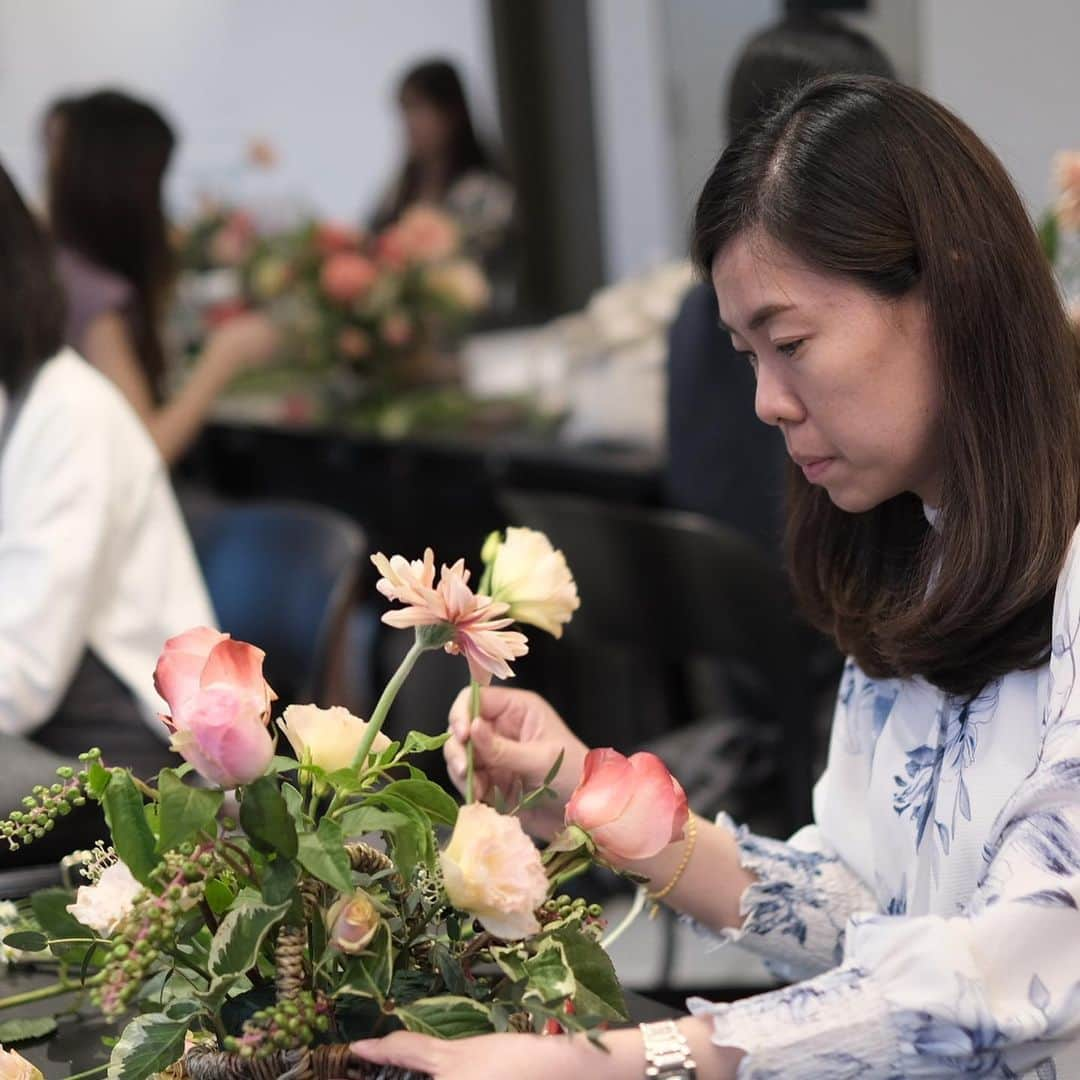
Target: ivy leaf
550,980
25,1029
447,1017
184,811
151,1042
322,853
238,939
597,993
131,834
266,818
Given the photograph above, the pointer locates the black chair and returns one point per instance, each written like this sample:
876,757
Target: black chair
282,575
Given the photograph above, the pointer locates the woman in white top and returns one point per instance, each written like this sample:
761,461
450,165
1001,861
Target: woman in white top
96,566
875,264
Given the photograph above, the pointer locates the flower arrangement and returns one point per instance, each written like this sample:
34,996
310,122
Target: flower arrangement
255,911
1059,228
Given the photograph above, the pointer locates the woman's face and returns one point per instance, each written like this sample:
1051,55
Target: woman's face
848,377
427,127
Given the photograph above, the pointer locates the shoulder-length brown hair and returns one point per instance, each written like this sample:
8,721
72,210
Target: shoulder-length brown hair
866,178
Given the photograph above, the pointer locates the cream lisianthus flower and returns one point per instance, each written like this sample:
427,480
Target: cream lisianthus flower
492,870
330,737
103,906
13,1066
533,578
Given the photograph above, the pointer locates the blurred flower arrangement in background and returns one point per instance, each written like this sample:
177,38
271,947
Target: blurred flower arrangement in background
257,920
1059,228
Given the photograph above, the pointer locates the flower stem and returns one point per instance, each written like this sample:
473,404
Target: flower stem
636,908
96,1071
474,712
385,701
44,992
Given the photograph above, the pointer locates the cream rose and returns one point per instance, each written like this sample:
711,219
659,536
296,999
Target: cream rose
353,922
330,736
101,907
14,1066
492,870
533,578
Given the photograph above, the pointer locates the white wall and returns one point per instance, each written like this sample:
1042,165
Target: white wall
316,78
1011,71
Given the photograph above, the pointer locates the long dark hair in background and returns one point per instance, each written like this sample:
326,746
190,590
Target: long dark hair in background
872,180
31,299
105,202
438,84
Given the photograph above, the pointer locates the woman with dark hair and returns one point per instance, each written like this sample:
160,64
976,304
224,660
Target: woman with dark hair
96,567
877,268
446,165
107,157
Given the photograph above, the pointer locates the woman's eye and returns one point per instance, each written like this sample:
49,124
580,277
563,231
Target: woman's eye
789,348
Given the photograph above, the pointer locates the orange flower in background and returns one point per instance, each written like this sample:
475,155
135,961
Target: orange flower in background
632,807
478,623
346,276
1067,179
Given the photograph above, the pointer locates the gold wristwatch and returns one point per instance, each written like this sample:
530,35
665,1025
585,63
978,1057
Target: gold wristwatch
667,1053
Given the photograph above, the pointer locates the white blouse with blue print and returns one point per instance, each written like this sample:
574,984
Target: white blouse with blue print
933,909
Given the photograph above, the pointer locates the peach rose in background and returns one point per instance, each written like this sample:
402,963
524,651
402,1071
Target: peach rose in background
103,906
330,736
261,153
1067,179
396,329
13,1066
391,249
493,871
478,623
533,578
234,242
427,234
352,922
345,277
353,343
631,807
460,283
332,237
219,704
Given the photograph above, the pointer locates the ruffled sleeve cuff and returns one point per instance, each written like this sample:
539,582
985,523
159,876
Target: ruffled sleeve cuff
794,914
835,1027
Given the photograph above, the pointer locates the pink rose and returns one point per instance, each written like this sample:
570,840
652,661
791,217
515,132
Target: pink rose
631,807
234,242
219,704
332,237
346,276
427,234
353,921
391,249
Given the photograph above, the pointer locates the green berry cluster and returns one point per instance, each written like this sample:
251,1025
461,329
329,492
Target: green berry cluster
151,926
45,804
564,909
286,1025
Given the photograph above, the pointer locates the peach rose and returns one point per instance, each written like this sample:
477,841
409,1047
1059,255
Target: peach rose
1067,179
13,1066
219,704
346,276
354,343
631,807
352,922
330,737
333,236
396,329
533,578
460,283
427,234
234,242
493,871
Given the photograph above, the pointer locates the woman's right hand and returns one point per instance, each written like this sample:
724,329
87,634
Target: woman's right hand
245,341
516,739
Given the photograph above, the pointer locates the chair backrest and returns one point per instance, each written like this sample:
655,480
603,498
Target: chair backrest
670,586
281,575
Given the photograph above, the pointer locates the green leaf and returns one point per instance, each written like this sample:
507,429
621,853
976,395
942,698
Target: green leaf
22,1030
131,835
358,820
413,842
426,796
151,1042
554,770
28,940
371,974
512,961
280,764
219,896
550,980
184,811
50,909
266,818
322,854
279,881
98,779
238,939
597,992
447,1017
416,742
1050,236
294,801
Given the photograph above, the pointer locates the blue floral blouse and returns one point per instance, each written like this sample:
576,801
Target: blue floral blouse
933,909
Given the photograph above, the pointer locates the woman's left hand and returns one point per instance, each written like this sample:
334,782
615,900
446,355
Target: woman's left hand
485,1057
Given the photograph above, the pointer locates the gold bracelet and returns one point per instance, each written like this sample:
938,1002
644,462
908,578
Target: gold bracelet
691,839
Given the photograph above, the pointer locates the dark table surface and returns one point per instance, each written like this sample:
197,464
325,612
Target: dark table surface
77,1046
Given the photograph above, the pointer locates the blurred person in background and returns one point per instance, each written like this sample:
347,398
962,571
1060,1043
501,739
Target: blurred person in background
721,461
96,567
446,165
107,156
